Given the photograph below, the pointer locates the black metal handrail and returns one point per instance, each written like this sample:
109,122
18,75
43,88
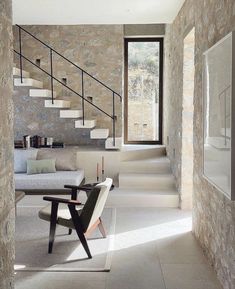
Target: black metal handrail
113,117
74,64
65,85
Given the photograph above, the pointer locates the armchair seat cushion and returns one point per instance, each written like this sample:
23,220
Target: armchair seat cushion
63,215
50,181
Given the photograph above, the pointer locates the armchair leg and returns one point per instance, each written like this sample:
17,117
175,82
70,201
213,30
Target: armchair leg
54,209
101,228
70,231
79,230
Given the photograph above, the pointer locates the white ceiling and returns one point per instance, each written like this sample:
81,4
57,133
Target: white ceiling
62,12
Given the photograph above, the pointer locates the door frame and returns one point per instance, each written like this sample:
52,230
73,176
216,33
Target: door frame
161,53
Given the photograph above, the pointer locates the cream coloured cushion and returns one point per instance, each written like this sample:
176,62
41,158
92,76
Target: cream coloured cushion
63,214
65,158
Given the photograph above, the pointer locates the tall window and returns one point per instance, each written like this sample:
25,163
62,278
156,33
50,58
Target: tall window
143,90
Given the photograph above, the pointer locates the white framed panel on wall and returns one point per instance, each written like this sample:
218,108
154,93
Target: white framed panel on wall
219,117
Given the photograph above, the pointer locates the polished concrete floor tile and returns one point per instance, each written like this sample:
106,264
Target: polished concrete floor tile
154,249
58,280
189,276
180,249
136,268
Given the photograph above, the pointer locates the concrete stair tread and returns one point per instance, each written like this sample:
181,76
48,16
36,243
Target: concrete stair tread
150,181
88,123
16,72
70,113
99,133
127,148
58,103
136,191
28,82
143,198
139,152
44,93
109,143
149,160
158,165
144,175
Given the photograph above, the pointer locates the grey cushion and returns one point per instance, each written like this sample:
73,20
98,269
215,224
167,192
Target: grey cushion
20,159
40,166
52,181
66,159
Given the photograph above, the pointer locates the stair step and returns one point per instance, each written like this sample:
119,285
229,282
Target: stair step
152,165
41,93
28,82
88,123
147,181
70,113
109,143
16,72
99,133
139,152
142,198
58,103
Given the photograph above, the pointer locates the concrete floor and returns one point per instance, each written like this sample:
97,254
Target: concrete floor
154,249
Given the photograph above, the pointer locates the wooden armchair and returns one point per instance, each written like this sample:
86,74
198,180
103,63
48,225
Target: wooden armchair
73,215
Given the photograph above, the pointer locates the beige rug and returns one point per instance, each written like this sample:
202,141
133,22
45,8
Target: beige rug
68,254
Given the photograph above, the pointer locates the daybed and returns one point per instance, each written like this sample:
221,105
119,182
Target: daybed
66,171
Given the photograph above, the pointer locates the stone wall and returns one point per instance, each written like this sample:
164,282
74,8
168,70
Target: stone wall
139,30
213,214
98,49
6,149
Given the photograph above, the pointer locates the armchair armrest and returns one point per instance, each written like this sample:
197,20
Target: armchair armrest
83,188
61,200
75,189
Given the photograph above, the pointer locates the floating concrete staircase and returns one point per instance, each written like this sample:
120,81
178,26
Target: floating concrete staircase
46,93
16,73
145,179
37,91
88,123
109,145
57,103
28,82
70,113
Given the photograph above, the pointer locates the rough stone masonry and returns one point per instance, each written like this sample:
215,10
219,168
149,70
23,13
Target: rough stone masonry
214,214
7,210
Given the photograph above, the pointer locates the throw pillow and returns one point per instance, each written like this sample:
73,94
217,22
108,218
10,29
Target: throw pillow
41,166
20,159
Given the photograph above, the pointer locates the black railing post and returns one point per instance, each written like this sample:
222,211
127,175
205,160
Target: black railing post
21,64
83,102
114,118
52,84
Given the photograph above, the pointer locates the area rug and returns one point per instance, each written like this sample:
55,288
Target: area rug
68,254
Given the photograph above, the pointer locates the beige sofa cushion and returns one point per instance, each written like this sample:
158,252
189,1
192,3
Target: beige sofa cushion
66,159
